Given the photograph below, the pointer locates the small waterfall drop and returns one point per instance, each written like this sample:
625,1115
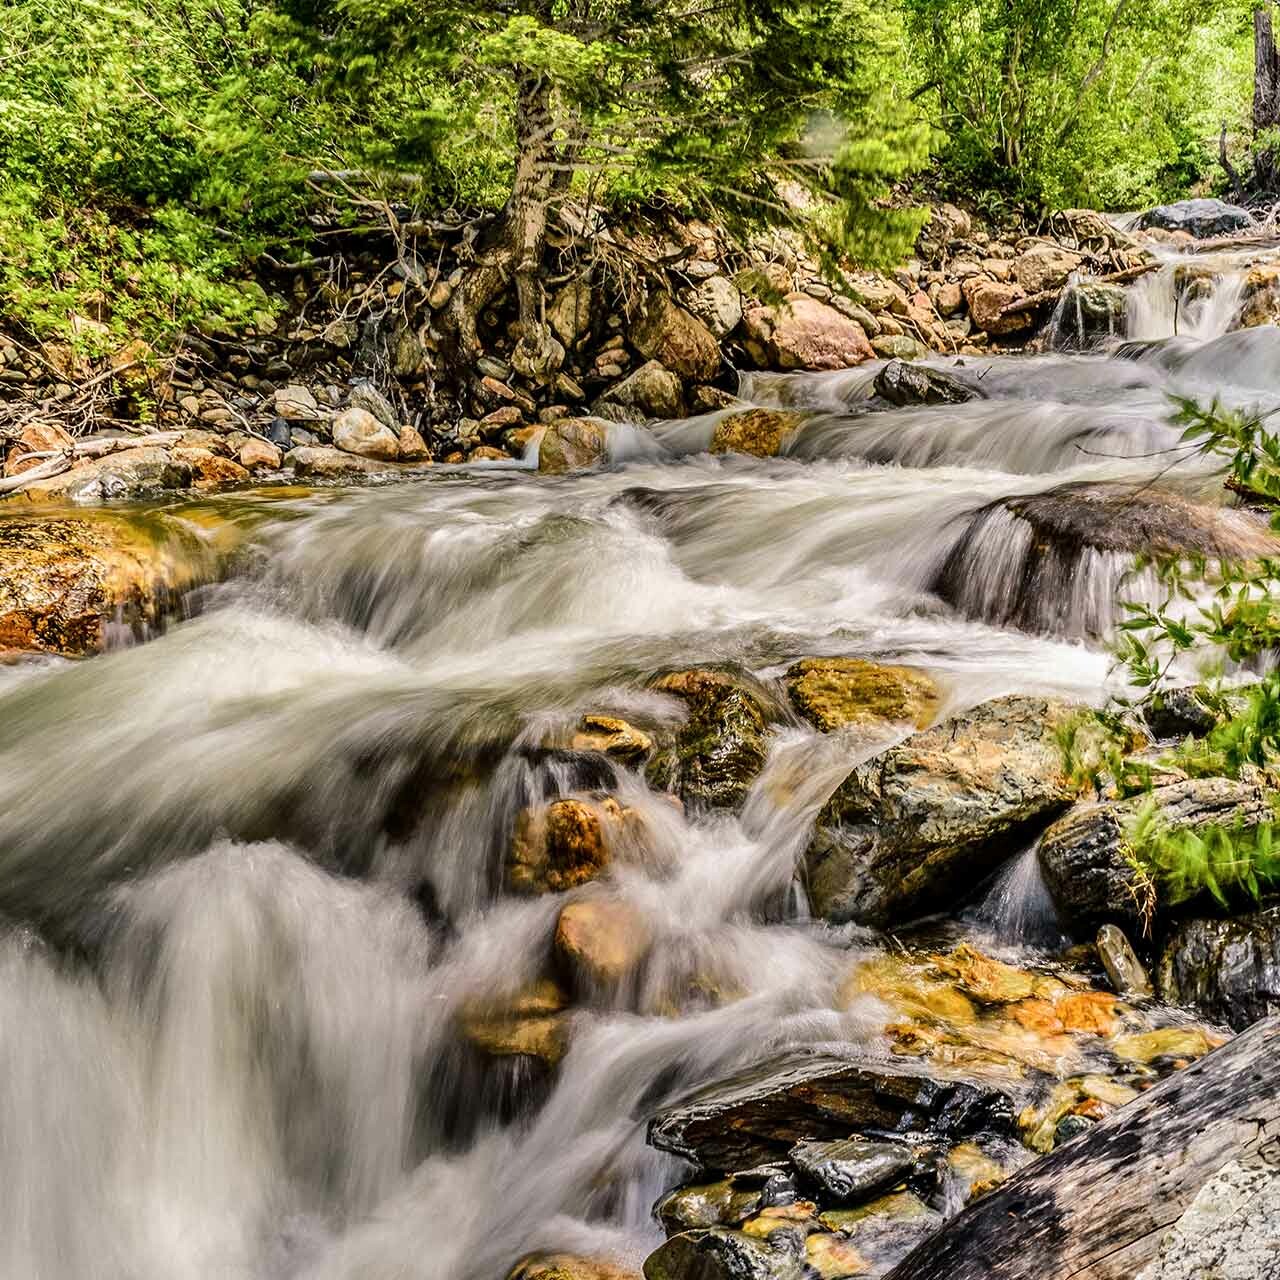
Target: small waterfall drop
1018,908
1186,299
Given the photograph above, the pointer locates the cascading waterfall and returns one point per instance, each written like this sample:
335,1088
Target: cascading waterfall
252,868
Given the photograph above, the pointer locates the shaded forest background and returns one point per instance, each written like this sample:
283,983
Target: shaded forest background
153,151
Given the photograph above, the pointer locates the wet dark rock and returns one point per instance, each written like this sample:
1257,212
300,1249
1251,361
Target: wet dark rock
1071,1127
1177,713
1082,856
714,1204
721,1254
717,752
1199,218
915,828
759,1116
848,1170
1046,541
1228,969
902,383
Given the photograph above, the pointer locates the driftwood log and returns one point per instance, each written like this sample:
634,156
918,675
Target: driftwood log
1095,1209
56,461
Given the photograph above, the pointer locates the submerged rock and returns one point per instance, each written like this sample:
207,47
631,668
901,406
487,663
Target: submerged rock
1199,218
600,941
833,692
62,580
1229,969
1084,858
760,432
720,747
915,828
759,1116
902,384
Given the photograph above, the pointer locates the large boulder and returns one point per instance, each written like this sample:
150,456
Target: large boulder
762,433
62,580
1048,540
915,828
803,333
572,444
651,390
600,942
833,692
759,1116
717,302
1084,857
666,332
1199,218
903,383
145,472
322,462
358,431
1228,969
716,753
571,312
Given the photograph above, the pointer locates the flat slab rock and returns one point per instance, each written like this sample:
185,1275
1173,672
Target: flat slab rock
915,828
759,1116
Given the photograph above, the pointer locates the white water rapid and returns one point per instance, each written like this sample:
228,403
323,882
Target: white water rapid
250,868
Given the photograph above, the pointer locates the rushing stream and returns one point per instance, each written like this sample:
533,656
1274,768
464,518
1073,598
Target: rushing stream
251,866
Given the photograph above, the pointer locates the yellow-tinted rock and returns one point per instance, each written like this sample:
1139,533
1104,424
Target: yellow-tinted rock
613,737
1168,1042
209,470
1093,1012
759,432
531,1023
62,579
571,444
908,987
832,692
978,1170
777,1216
1036,1015
833,1256
600,941
988,981
568,1266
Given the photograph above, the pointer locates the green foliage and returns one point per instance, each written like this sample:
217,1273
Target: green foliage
1228,862
754,111
1109,103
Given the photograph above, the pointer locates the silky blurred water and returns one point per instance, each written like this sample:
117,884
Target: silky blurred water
229,1039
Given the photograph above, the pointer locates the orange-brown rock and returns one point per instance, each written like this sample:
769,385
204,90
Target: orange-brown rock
759,432
34,438
1093,1012
532,1023
62,578
563,844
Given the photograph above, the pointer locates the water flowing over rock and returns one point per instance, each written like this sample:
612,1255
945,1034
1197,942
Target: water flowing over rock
1229,969
916,827
1055,561
1083,856
63,581
720,747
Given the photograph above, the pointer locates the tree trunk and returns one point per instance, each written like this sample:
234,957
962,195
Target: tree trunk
1095,1208
1266,97
515,250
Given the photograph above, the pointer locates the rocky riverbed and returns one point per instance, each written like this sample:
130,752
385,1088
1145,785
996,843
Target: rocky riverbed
651,851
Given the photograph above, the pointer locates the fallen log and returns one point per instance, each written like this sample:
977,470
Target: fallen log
1095,1209
56,461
